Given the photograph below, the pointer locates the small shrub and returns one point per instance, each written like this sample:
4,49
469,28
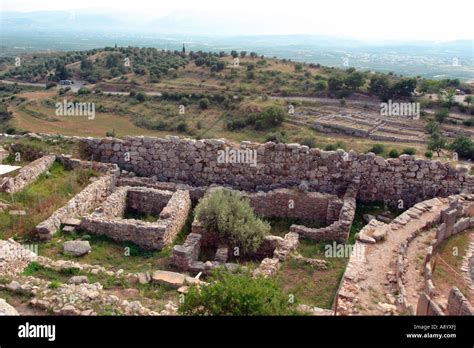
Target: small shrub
141,97
236,295
429,154
204,103
377,149
230,217
309,142
277,137
83,91
409,151
54,284
393,153
50,85
182,127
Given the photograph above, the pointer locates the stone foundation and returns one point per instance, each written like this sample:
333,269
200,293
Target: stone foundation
84,202
26,175
338,230
173,209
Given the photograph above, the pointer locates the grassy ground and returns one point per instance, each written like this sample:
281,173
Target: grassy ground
123,115
115,255
452,251
308,285
40,199
318,287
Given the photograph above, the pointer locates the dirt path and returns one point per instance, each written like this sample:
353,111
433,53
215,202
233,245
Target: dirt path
416,252
369,286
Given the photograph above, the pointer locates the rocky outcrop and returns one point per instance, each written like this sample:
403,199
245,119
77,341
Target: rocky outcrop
6,309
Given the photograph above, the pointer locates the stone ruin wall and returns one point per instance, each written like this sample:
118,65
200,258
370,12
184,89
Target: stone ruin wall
173,209
194,162
340,227
26,175
458,217
85,201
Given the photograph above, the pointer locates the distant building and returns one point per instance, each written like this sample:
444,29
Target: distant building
66,82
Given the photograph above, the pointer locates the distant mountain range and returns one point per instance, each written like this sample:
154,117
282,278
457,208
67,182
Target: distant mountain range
78,30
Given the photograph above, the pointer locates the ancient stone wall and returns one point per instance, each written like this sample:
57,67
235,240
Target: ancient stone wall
81,204
339,230
458,304
147,201
108,219
195,162
456,218
26,175
289,203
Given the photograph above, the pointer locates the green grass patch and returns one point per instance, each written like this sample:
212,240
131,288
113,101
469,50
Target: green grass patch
311,286
40,199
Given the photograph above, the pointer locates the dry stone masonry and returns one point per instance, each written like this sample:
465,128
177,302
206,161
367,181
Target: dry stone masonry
195,162
26,175
82,203
172,207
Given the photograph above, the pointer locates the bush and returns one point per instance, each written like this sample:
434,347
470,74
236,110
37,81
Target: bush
377,149
83,91
464,147
336,146
182,127
277,137
441,115
393,153
309,142
140,96
228,216
272,116
429,154
236,295
469,122
409,151
204,103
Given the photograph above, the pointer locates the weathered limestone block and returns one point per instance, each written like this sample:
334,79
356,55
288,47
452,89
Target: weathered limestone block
6,309
184,255
172,279
76,247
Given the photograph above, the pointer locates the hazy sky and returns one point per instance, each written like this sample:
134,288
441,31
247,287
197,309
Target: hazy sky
366,19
